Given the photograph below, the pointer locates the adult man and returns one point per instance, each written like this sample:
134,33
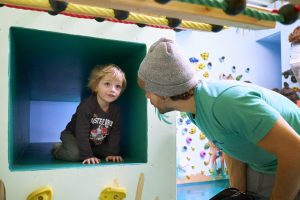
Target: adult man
256,128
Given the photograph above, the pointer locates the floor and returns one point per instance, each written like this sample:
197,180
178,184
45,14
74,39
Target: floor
37,157
200,191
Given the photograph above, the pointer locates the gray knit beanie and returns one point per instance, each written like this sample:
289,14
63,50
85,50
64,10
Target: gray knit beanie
166,71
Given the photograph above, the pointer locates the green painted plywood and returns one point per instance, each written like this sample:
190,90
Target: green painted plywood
48,66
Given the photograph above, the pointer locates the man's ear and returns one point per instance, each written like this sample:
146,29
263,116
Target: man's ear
141,83
165,98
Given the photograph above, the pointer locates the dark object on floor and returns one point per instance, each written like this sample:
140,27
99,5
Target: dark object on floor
232,193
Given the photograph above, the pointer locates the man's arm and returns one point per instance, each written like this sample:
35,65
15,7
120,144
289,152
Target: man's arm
237,173
284,143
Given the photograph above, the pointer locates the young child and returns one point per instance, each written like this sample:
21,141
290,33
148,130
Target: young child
94,130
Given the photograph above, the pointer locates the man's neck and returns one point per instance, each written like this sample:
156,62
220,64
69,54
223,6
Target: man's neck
186,105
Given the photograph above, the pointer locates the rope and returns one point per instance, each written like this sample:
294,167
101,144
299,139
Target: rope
90,12
251,12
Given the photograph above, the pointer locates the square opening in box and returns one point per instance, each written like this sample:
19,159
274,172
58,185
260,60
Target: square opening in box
48,75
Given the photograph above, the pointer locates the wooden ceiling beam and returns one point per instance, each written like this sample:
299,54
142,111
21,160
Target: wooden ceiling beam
180,10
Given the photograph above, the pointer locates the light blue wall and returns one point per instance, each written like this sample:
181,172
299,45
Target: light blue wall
241,49
285,31
48,119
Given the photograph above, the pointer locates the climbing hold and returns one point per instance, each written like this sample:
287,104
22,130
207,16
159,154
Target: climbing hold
202,136
206,74
177,29
188,140
121,14
44,193
293,79
184,131
57,6
289,13
193,60
295,88
2,190
209,65
239,77
108,193
188,121
173,22
204,55
193,130
140,25
183,114
216,28
179,121
202,154
234,7
221,59
233,69
184,148
201,66
100,19
162,1
206,146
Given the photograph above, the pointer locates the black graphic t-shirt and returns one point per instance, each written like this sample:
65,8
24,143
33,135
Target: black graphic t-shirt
97,132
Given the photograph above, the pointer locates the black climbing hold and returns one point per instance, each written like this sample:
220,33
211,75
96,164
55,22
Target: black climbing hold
289,13
173,22
140,25
100,19
121,14
216,28
234,7
162,1
293,79
57,7
177,29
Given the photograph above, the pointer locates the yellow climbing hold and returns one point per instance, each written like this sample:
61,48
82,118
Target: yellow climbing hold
44,193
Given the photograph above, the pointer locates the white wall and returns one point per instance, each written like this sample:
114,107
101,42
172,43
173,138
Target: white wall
87,182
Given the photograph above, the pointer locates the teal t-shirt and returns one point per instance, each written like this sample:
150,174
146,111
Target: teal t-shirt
235,116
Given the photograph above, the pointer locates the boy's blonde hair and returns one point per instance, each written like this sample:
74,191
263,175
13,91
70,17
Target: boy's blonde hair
99,71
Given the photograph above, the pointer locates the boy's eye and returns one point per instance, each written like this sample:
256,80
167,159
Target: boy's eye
118,86
107,83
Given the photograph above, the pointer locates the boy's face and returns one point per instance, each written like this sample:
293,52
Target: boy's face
109,88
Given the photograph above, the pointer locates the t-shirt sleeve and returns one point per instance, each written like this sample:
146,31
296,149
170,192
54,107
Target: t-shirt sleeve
244,112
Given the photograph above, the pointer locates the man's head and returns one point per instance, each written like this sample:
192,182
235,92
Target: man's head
166,72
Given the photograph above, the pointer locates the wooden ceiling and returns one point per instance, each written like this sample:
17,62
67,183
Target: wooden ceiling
181,10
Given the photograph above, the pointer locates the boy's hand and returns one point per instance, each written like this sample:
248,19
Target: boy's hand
114,159
92,160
